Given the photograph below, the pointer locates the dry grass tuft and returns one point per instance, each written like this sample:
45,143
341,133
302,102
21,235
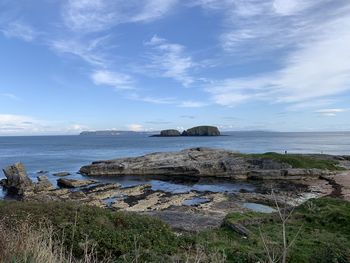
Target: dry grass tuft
20,241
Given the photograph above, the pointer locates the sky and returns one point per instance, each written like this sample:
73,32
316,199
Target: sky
147,65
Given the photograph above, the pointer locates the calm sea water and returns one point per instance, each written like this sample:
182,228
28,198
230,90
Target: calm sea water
69,153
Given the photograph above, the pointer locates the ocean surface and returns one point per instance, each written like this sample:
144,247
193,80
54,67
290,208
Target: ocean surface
69,153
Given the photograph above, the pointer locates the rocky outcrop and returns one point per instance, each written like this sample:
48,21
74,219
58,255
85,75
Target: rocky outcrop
17,181
200,162
195,131
202,131
169,133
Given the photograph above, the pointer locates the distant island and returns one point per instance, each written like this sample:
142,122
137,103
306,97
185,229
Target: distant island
195,131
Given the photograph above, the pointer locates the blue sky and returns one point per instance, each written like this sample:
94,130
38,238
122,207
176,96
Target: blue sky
72,65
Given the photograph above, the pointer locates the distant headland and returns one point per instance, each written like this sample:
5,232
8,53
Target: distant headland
111,133
202,130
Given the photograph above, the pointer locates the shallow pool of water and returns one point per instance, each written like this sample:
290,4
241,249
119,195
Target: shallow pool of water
182,185
195,201
170,185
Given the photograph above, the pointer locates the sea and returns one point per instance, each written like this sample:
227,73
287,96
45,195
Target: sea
68,153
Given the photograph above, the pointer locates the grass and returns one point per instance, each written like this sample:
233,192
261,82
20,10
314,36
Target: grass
299,161
113,233
74,233
324,234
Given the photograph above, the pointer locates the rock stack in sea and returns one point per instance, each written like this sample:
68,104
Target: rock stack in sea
195,131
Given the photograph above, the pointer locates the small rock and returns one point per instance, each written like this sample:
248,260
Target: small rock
237,227
61,174
72,183
43,184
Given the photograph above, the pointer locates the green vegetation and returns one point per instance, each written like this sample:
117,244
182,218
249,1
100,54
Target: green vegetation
323,225
113,233
299,161
324,235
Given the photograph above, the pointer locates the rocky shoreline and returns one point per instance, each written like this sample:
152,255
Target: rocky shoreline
192,210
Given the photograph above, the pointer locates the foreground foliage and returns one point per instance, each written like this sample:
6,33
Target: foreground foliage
66,232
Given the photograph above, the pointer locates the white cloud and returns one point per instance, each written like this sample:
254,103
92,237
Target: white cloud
192,104
170,60
151,99
330,112
291,7
136,127
77,128
315,69
11,124
99,15
18,29
153,10
113,79
251,27
231,92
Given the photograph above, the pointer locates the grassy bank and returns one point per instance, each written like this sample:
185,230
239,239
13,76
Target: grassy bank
299,161
66,232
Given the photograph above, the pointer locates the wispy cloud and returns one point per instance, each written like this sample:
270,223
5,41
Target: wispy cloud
116,80
10,96
21,30
136,127
153,9
100,15
251,27
316,68
291,7
170,61
192,104
12,124
90,50
330,112
152,99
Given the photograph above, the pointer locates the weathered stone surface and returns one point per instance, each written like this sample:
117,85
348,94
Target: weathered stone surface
201,162
191,162
61,174
103,191
72,183
202,131
43,184
17,181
